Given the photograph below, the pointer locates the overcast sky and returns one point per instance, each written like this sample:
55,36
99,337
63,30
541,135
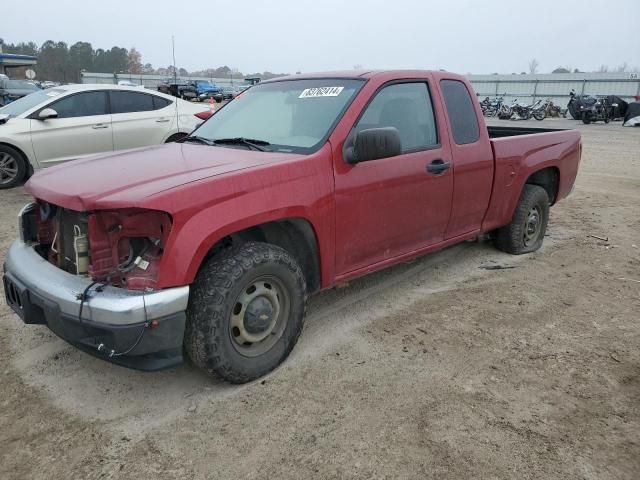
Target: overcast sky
465,36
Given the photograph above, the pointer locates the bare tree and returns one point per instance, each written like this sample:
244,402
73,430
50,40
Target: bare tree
603,69
533,66
623,68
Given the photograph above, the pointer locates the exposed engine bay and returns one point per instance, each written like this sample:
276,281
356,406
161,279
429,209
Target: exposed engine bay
122,248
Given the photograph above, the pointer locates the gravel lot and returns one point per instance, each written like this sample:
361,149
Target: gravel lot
435,369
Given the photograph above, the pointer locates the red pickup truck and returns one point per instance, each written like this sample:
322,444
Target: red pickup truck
211,247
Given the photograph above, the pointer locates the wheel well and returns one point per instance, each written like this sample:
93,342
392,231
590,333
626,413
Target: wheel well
295,235
547,178
175,136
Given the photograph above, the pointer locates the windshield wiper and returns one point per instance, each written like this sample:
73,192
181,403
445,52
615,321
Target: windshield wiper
250,142
197,139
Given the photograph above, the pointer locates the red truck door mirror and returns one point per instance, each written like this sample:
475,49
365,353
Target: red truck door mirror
373,144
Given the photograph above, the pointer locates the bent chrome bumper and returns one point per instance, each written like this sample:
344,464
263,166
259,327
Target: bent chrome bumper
112,318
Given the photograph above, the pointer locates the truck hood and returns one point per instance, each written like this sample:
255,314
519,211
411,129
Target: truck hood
209,89
126,179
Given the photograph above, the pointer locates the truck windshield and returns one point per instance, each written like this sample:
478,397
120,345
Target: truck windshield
291,115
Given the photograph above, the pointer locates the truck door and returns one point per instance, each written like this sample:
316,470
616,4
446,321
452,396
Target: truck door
472,159
391,206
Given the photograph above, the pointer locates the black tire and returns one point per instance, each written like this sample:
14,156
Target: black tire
540,115
520,236
586,118
13,167
219,297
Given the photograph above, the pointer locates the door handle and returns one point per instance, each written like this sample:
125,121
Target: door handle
438,166
100,125
163,120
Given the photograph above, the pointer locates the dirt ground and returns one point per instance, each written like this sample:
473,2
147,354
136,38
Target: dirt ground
439,368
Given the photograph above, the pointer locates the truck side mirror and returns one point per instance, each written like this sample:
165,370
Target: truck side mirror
47,113
373,144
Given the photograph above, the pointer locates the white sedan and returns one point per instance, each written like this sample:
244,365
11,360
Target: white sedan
71,122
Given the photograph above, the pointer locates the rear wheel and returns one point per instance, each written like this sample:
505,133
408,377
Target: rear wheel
245,312
526,231
13,167
540,114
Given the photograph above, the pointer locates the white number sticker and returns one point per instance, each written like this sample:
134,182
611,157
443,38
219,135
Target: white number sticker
321,92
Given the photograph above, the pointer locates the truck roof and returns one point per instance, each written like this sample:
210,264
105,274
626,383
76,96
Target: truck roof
359,74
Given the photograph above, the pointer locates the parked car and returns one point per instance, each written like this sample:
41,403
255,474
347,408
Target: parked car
12,90
129,83
66,123
179,89
212,246
206,90
49,84
229,93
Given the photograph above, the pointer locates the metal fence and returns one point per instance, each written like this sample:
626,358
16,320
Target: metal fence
556,86
150,81
523,87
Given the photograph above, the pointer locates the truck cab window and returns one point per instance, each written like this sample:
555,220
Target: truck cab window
462,115
407,107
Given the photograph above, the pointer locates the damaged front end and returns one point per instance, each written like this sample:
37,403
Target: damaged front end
122,248
92,278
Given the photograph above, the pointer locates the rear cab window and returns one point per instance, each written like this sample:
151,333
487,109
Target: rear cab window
462,114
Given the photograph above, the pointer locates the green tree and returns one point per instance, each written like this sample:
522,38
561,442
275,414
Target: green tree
53,62
80,58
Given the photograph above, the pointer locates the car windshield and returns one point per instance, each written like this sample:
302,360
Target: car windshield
202,83
291,115
32,100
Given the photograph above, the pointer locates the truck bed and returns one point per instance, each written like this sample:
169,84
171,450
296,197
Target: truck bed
498,132
519,152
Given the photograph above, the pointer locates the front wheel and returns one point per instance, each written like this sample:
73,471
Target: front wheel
13,167
529,223
586,118
246,311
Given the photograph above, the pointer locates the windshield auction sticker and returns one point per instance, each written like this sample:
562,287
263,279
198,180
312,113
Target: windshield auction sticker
321,92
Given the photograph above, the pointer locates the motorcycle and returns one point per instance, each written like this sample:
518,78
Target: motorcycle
572,106
553,110
506,111
594,109
525,112
491,108
539,110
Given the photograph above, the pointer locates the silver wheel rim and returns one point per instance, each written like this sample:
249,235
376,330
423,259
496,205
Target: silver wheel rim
532,226
8,168
259,316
